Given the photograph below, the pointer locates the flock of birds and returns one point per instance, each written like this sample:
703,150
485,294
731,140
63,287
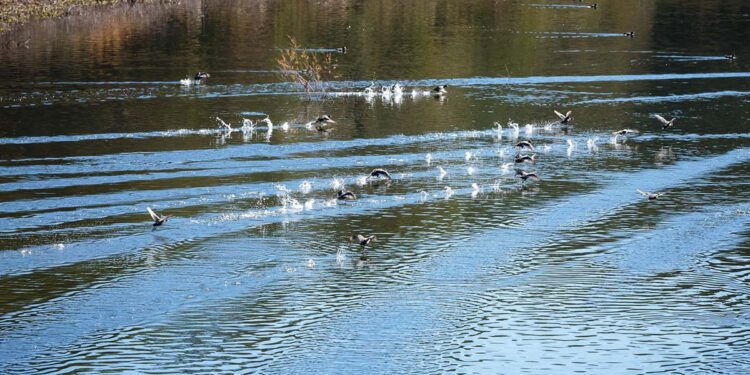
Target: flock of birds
377,175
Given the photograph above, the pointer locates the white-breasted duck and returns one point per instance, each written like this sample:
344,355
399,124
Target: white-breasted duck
625,132
525,158
200,76
523,175
526,144
321,122
439,90
379,173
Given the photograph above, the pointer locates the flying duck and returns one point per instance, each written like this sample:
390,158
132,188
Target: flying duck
523,144
523,175
362,240
380,173
525,158
158,220
625,132
664,123
346,196
650,196
629,34
564,119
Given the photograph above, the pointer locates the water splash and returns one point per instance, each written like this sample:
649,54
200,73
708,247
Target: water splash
441,173
305,187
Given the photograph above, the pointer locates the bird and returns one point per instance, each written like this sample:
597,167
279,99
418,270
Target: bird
523,144
439,90
321,122
380,173
523,175
629,33
525,158
223,126
200,76
362,240
651,196
664,123
732,56
341,49
346,196
564,119
592,6
158,220
625,132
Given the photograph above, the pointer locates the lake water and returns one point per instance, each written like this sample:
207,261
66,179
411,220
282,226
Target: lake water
472,272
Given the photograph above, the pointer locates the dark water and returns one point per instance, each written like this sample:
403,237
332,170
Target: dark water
575,274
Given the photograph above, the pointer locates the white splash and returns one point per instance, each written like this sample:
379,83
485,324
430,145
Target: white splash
529,130
441,173
470,170
475,190
423,195
513,126
505,167
337,184
468,155
310,263
428,159
591,144
340,257
305,187
448,192
247,125
362,180
285,126
309,204
571,147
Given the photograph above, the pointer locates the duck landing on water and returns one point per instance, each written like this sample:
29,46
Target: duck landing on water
158,219
526,144
664,123
650,196
345,195
439,90
625,132
525,158
566,118
379,174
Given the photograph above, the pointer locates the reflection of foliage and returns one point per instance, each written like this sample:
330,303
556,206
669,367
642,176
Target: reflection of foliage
304,67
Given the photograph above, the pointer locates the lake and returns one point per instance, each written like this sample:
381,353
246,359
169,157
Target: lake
473,271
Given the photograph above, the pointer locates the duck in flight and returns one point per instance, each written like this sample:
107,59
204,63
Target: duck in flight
523,175
566,118
651,196
525,158
526,144
345,195
379,173
664,123
363,241
625,132
158,219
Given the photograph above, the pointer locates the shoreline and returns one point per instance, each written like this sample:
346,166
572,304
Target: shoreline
16,13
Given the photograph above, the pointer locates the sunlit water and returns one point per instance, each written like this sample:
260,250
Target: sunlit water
474,271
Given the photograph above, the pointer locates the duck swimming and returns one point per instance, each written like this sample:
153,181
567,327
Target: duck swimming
439,90
200,76
664,123
564,119
650,196
321,122
158,219
630,34
345,195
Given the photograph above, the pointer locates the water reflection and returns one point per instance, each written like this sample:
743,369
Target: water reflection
474,269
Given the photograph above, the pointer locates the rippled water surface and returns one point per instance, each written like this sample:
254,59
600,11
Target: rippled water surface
473,270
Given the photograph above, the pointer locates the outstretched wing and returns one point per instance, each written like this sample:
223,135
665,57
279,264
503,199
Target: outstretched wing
153,214
534,177
642,193
568,114
560,115
661,119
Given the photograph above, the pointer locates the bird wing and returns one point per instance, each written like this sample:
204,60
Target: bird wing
534,177
568,114
642,193
661,119
153,214
560,115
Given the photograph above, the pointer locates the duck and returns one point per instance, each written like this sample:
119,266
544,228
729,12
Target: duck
341,49
345,195
630,34
664,123
439,90
158,219
363,240
566,118
200,76
223,126
732,56
380,173
625,132
523,175
593,6
321,122
523,144
525,158
650,196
